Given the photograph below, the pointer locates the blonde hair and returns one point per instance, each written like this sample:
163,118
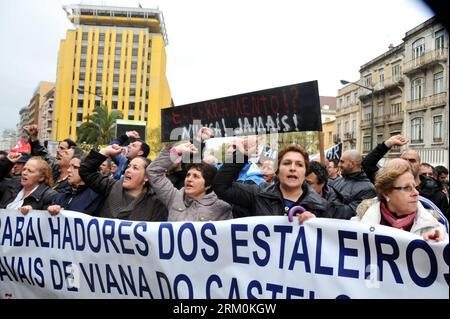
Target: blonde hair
44,170
386,177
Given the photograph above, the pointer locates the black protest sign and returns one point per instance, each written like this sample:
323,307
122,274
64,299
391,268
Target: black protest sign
283,109
334,153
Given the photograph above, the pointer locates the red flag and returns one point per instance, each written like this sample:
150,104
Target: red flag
22,147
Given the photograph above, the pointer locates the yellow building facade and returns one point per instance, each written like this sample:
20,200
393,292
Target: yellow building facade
114,56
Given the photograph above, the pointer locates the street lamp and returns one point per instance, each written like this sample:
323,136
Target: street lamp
344,82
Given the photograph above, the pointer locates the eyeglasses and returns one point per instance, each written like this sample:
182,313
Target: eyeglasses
408,188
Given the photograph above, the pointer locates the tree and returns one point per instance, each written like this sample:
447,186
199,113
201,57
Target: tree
308,140
99,128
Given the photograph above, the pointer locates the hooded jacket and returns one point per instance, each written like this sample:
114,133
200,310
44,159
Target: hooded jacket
180,206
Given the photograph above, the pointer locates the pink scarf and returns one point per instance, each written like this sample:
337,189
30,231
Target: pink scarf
404,223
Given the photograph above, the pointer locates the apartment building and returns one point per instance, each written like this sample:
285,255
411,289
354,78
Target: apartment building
426,91
114,56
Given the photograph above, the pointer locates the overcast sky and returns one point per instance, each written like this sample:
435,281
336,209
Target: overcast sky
218,48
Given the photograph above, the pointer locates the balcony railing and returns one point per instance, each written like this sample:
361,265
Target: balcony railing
366,121
427,58
393,117
388,83
378,119
349,136
426,102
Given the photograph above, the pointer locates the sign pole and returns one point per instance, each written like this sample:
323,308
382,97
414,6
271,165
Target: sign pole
321,150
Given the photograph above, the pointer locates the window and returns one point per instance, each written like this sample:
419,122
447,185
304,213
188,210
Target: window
417,89
418,49
439,41
396,108
437,128
438,82
366,144
417,130
368,80
346,127
79,117
396,72
354,128
355,97
380,110
347,102
83,49
101,37
381,77
367,113
338,130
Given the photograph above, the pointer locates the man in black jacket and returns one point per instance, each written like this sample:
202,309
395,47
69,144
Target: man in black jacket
352,188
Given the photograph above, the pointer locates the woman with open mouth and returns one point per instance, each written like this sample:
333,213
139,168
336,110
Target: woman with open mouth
196,201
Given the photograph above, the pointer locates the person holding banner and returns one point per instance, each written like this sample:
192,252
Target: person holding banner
131,197
195,201
289,190
33,191
397,204
80,198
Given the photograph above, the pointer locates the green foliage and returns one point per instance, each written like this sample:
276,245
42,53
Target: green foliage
308,140
99,128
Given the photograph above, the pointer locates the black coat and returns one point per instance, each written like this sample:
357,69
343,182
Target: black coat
259,200
40,199
432,190
351,190
82,199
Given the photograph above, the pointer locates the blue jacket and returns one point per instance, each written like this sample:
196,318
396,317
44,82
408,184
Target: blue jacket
83,200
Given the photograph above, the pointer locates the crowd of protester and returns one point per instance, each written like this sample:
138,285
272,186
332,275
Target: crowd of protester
119,181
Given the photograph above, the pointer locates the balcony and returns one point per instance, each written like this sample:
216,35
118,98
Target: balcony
389,84
425,60
365,122
378,120
349,136
393,117
432,101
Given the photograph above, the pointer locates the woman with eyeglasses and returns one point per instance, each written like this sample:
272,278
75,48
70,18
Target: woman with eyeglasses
397,204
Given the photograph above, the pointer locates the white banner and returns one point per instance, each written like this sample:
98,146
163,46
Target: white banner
76,256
